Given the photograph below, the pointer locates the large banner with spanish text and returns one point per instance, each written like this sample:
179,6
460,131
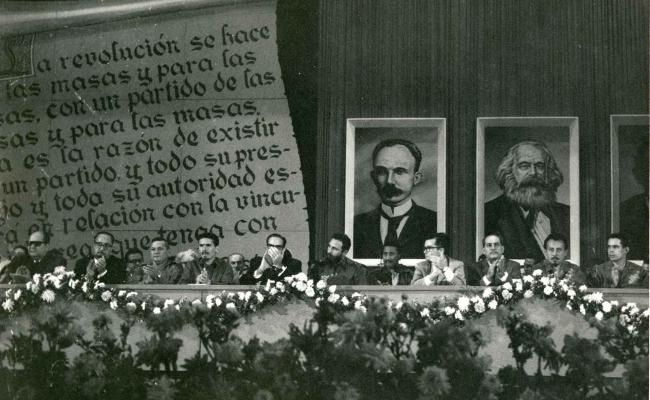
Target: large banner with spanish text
170,125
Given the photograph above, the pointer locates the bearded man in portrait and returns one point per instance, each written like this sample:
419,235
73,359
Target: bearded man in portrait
527,211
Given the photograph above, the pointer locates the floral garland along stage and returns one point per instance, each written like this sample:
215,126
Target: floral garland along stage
61,283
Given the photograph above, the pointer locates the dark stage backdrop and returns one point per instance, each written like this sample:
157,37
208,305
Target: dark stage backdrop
462,60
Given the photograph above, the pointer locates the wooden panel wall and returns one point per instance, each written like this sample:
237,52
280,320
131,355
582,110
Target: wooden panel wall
460,60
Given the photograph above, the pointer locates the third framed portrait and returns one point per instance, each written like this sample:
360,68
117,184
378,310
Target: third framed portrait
630,181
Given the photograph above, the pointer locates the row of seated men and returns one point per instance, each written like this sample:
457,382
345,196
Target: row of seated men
203,266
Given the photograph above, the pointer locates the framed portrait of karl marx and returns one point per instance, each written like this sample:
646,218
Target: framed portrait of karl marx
630,181
394,184
527,183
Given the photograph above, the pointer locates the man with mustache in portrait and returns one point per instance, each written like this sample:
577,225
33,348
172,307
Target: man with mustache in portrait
395,173
527,211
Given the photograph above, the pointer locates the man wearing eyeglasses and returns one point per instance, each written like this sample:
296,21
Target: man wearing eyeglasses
493,269
439,268
277,262
39,260
102,266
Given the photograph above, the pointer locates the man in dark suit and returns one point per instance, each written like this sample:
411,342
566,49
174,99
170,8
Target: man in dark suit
493,269
527,211
276,263
396,171
391,273
40,259
102,265
208,269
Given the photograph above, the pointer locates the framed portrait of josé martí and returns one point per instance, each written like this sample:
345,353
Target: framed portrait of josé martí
629,163
527,183
394,184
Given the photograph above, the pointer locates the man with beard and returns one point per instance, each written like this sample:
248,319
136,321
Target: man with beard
208,269
162,270
556,248
102,266
391,272
336,268
527,212
396,171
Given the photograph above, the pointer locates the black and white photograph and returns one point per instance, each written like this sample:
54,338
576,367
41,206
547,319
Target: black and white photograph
317,199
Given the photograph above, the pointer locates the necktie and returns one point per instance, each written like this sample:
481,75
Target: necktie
393,223
530,219
615,276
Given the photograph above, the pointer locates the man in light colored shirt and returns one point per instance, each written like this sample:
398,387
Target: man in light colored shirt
493,269
618,272
439,268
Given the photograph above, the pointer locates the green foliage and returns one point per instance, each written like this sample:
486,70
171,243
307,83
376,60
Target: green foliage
378,351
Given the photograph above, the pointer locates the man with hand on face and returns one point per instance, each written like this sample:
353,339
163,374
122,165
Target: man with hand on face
102,265
277,262
208,269
439,268
395,173
241,270
162,270
336,268
618,272
39,260
391,272
494,269
556,264
527,211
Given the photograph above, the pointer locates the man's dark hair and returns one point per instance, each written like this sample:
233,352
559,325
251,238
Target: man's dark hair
104,233
557,237
442,240
391,243
46,236
20,247
159,239
132,250
494,234
209,235
412,147
277,235
620,237
344,239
